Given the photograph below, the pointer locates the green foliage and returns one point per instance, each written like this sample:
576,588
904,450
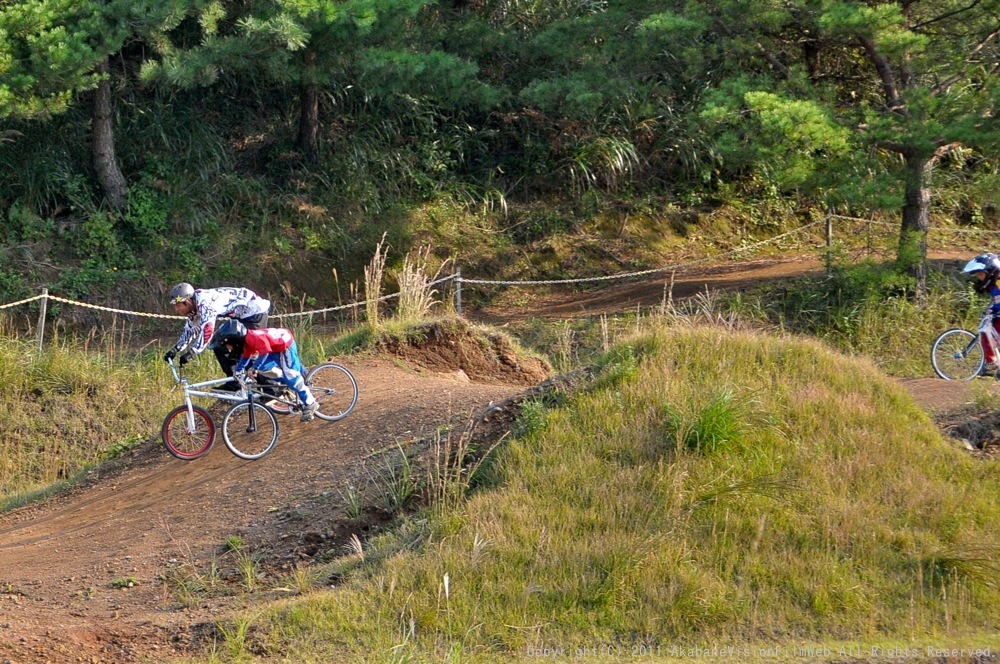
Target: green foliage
48,55
92,276
146,216
532,419
24,223
13,285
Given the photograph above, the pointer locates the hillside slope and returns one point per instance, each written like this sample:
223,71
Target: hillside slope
709,488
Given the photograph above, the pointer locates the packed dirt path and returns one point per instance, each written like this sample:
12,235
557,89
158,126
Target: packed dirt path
81,576
652,290
86,576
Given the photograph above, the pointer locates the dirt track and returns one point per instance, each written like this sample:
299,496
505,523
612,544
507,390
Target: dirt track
59,561
65,564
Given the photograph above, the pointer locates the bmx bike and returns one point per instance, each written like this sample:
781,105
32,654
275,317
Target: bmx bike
958,354
249,427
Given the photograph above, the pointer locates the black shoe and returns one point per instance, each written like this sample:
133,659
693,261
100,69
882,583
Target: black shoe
229,386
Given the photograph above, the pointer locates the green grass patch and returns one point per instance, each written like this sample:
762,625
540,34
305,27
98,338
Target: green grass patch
71,407
866,308
709,486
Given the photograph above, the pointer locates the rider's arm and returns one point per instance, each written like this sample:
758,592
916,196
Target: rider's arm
203,324
251,352
188,334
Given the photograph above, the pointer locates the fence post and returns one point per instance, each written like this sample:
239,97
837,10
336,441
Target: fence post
458,291
41,317
829,243
870,220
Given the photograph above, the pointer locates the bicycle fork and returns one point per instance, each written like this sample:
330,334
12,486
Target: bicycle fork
190,414
252,426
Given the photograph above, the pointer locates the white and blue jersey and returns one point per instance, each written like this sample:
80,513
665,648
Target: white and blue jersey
212,303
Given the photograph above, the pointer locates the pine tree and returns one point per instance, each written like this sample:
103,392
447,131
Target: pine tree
911,81
53,51
317,45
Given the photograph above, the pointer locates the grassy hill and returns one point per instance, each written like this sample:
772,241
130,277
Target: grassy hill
708,489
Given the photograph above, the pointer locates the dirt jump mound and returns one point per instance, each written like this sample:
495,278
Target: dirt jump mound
482,355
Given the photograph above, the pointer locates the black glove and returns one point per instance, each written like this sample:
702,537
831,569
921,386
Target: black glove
184,359
169,355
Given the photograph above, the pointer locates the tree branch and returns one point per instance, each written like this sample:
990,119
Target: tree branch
944,150
889,85
892,146
772,59
948,15
951,80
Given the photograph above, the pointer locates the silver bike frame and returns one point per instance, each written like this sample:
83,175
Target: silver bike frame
198,390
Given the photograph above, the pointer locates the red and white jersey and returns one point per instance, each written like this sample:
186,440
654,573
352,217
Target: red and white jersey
211,303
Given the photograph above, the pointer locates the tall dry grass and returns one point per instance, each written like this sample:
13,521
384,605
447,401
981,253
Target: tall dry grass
416,295
374,274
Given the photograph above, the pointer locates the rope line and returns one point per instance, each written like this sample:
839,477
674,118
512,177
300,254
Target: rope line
512,282
110,309
25,301
354,305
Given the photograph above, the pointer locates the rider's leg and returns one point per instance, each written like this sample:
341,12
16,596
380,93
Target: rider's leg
291,374
989,350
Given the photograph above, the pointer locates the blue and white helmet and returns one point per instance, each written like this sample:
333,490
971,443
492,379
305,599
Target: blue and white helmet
988,263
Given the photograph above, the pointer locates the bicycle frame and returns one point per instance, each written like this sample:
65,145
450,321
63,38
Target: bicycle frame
199,390
247,392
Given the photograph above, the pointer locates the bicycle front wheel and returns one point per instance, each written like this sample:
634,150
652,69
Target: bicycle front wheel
957,355
250,430
335,389
188,439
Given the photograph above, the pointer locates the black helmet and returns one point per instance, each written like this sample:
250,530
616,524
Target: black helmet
230,332
180,292
988,263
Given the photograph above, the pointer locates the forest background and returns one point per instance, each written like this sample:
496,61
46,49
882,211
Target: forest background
273,143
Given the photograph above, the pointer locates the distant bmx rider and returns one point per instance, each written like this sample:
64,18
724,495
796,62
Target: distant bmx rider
202,306
262,350
986,270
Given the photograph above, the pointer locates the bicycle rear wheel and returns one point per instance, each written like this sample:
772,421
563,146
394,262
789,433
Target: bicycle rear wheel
335,389
250,430
188,440
957,355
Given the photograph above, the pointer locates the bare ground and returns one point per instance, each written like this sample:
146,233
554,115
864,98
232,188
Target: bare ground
110,571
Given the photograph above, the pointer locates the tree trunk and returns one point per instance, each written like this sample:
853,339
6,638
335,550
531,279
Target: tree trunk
308,142
109,175
912,254
810,51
